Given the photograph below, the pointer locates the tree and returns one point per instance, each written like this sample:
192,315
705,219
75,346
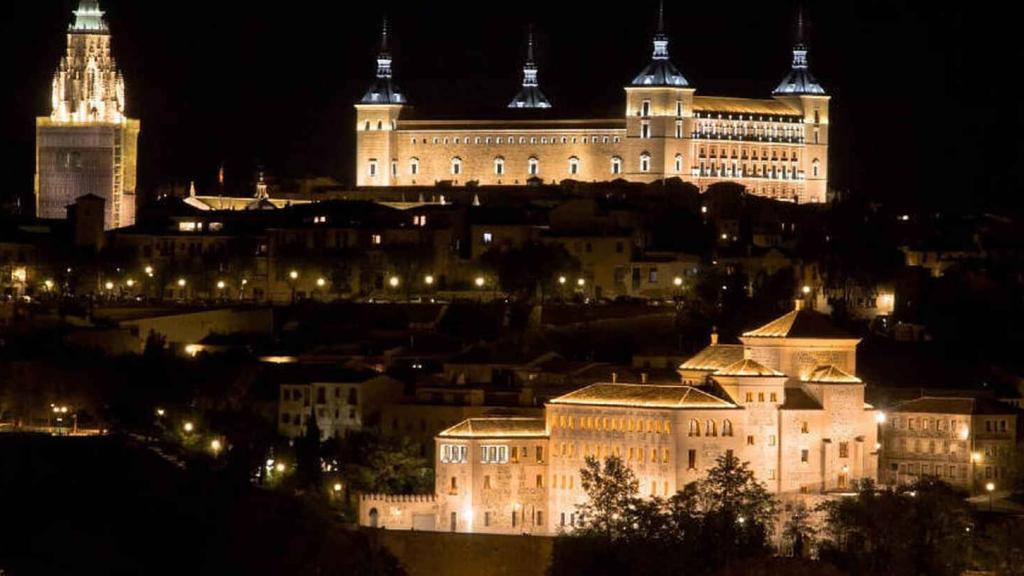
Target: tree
372,463
798,533
533,266
612,493
307,455
917,529
738,511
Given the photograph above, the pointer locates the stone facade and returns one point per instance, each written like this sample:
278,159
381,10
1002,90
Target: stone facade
806,434
775,147
87,145
966,442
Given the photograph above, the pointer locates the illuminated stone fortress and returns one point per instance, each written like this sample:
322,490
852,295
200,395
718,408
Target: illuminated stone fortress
775,147
786,400
87,145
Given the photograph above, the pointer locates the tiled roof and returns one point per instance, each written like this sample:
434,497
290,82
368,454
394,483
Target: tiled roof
798,399
831,374
497,427
800,324
743,106
643,395
748,367
714,357
955,405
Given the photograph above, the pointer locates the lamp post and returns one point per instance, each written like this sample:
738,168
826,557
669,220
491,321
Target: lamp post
990,487
293,276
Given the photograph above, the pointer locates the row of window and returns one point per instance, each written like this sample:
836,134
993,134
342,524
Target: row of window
943,425
762,171
490,454
298,394
756,131
744,154
772,397
614,424
538,481
633,454
511,140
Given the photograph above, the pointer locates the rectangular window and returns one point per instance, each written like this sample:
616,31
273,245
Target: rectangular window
372,168
750,440
645,130
515,455
804,428
454,453
493,454
804,455
540,481
487,518
540,454
774,397
645,108
487,482
540,518
844,449
691,457
771,440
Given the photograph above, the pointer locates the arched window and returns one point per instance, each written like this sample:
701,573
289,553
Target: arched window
574,165
414,166
694,428
456,166
616,165
645,162
393,125
710,429
815,167
499,166
380,125
522,140
534,166
563,139
367,125
679,162
727,428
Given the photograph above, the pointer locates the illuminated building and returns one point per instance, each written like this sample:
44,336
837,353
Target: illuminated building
786,401
87,145
776,147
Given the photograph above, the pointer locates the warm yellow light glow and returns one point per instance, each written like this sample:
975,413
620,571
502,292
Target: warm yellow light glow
880,418
677,281
19,274
393,281
193,350
221,285
215,446
244,281
321,282
428,280
990,486
480,281
279,467
182,282
109,285
562,280
581,282
160,412
294,275
130,283
189,427
149,270
806,289
48,284
337,486
975,456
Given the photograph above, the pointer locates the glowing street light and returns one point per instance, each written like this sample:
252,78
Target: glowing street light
806,290
215,446
581,282
221,285
160,412
279,467
337,487
149,270
49,285
321,282
428,280
188,427
975,457
562,280
130,283
677,281
393,281
109,285
294,275
880,418
182,282
480,281
990,488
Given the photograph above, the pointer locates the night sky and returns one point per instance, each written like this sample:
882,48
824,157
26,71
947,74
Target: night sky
923,107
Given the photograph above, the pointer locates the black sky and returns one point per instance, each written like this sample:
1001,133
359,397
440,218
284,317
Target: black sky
923,106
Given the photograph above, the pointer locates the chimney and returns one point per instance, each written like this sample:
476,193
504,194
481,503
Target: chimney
615,377
643,377
714,335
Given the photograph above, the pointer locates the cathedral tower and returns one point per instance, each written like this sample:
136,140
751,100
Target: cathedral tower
87,145
377,117
530,96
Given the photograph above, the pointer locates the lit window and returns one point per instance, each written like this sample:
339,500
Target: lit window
645,162
694,428
499,166
453,454
727,428
844,449
679,162
375,239
534,166
493,454
488,238
815,167
679,129
574,165
456,166
645,108
616,165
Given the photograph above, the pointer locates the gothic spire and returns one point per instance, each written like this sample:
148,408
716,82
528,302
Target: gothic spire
661,71
383,90
799,80
530,95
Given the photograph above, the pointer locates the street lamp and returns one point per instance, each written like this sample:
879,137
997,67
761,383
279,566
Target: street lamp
149,270
581,282
677,281
160,412
480,281
221,285
215,446
182,282
188,427
49,285
562,280
321,282
990,488
428,280
109,285
880,418
806,290
130,283
294,275
337,487
393,281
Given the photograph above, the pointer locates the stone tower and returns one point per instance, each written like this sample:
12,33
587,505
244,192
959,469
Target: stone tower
87,145
377,117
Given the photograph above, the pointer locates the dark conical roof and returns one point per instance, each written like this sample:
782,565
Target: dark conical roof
384,90
799,80
530,95
661,71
